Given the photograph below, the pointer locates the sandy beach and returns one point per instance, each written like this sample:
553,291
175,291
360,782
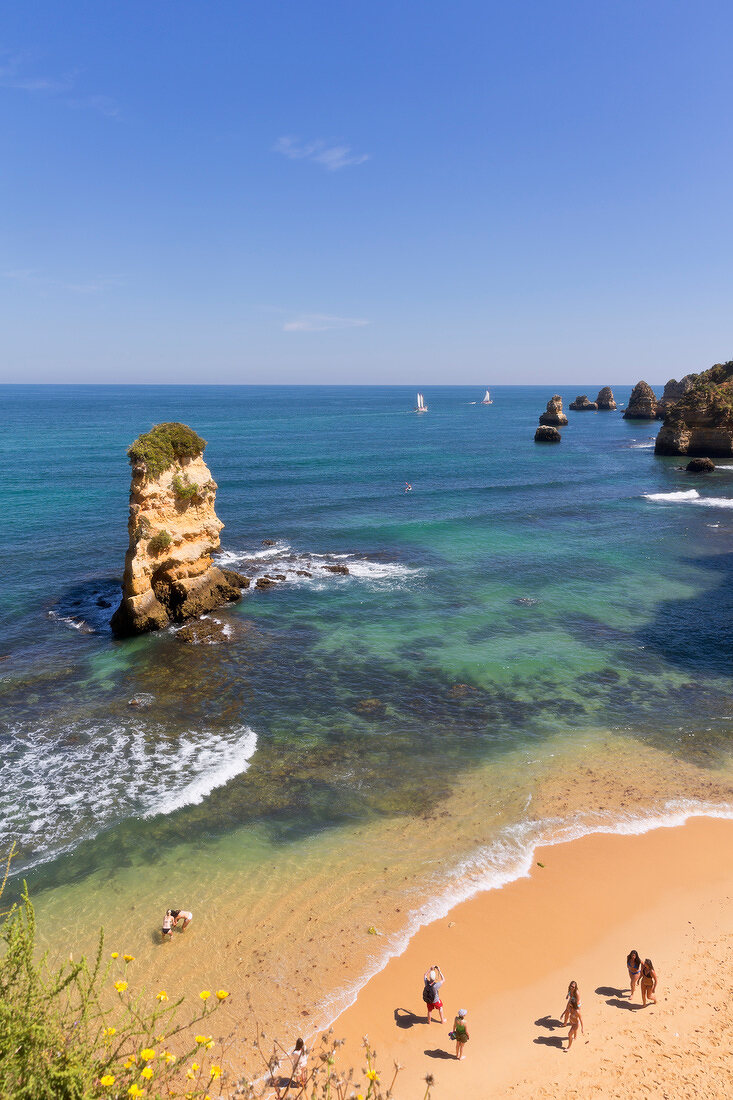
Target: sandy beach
509,954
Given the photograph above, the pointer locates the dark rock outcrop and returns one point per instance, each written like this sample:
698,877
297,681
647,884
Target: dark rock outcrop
203,632
547,434
673,392
554,414
701,422
237,580
605,400
344,569
582,404
642,403
700,466
173,529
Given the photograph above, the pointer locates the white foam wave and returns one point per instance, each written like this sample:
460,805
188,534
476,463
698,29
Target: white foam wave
65,784
681,494
509,858
641,446
715,502
300,567
724,467
690,496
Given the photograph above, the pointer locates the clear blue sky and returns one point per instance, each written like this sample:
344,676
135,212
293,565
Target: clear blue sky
321,191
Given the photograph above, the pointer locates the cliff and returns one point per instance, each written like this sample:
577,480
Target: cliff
173,529
642,403
554,413
605,399
701,422
674,391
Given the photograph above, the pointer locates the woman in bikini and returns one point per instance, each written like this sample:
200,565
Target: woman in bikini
633,965
575,1019
571,996
167,924
181,914
461,1033
648,983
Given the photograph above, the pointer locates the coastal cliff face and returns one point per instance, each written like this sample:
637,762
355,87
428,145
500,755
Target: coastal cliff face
173,530
701,422
642,403
554,414
605,399
674,391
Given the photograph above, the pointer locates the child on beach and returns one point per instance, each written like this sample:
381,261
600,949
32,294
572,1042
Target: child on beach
648,983
433,980
571,997
168,924
460,1031
181,914
633,965
299,1058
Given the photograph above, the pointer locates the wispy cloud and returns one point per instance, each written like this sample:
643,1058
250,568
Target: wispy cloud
33,278
15,75
321,322
330,157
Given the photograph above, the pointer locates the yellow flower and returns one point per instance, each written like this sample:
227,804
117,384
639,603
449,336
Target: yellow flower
162,996
222,994
115,954
205,994
120,986
215,1071
210,1044
107,1080
190,1074
109,1032
129,958
200,1039
147,1054
129,1063
195,1066
169,1057
147,1072
372,1075
135,1090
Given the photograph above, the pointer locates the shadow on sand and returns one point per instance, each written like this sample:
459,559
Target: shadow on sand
404,1018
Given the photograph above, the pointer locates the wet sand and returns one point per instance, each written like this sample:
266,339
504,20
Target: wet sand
509,954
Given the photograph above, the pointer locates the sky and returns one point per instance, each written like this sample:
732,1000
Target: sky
338,191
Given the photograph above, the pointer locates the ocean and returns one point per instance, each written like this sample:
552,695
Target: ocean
533,643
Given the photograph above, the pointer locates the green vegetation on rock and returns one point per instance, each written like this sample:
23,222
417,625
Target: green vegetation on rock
186,490
711,395
163,445
159,541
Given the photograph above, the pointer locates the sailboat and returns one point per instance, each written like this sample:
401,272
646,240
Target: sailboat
487,399
421,407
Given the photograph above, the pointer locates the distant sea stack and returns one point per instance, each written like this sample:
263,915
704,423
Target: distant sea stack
173,528
554,413
582,404
547,434
701,422
642,403
674,391
605,400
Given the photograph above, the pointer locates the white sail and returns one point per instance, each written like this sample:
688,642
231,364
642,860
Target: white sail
421,406
487,399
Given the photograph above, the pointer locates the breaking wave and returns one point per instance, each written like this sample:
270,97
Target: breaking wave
690,496
300,567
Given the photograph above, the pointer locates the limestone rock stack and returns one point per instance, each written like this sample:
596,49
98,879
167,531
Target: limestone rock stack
605,400
173,530
582,404
701,422
642,403
547,434
674,391
554,413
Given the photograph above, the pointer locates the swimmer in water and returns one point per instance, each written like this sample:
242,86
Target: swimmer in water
408,487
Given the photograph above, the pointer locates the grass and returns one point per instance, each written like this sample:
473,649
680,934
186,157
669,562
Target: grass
160,541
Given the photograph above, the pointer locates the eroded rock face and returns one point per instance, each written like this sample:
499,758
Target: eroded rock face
642,403
554,413
701,422
605,400
582,404
173,530
674,391
547,434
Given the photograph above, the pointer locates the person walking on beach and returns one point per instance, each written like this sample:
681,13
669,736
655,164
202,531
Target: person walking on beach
168,924
460,1034
181,914
648,983
299,1058
572,997
633,965
433,980
575,1019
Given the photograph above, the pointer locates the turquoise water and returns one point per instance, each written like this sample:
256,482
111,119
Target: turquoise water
519,595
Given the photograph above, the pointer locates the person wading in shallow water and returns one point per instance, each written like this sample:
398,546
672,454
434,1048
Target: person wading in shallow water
181,914
433,980
648,983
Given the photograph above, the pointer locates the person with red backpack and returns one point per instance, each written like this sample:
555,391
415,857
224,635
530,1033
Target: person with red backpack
433,979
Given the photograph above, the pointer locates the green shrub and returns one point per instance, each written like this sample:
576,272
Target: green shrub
159,448
186,490
159,541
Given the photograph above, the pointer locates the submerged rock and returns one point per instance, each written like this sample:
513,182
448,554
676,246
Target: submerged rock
642,403
701,422
337,569
700,466
554,414
265,582
370,708
605,400
546,434
203,632
173,530
582,404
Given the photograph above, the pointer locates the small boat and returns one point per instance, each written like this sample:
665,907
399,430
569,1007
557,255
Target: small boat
487,399
421,407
